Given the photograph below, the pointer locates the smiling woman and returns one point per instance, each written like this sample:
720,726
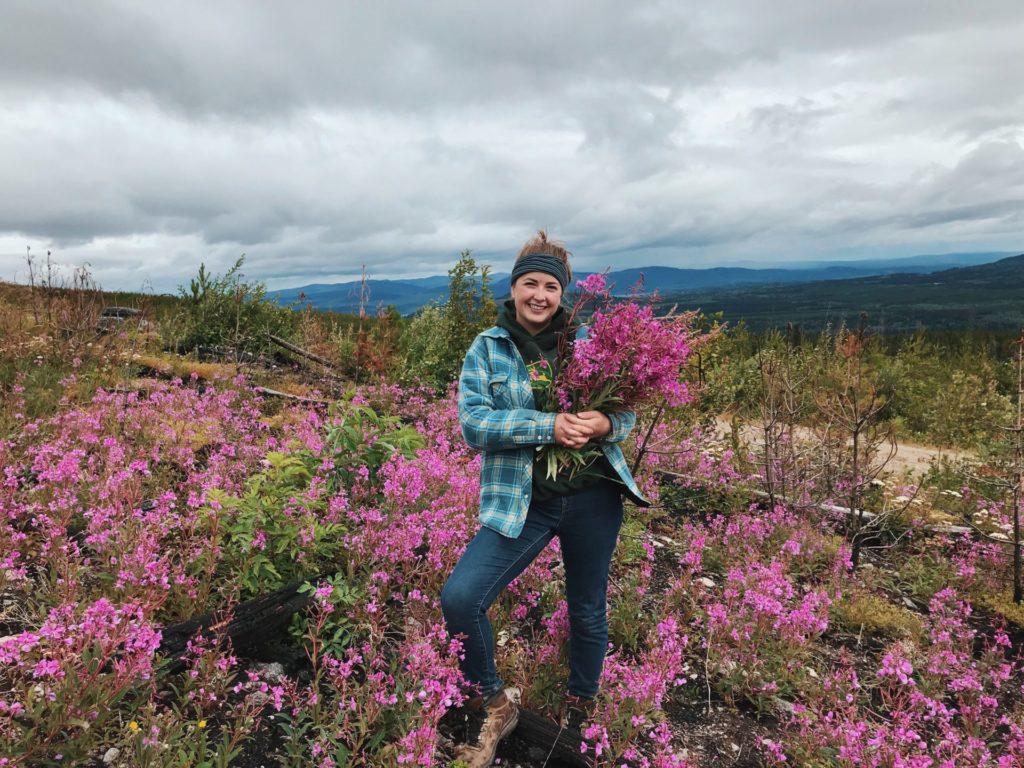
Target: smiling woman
536,296
502,391
538,281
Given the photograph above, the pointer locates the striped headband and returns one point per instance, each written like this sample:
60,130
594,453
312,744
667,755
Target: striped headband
541,262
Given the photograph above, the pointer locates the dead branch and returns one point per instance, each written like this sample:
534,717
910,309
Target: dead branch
276,393
300,351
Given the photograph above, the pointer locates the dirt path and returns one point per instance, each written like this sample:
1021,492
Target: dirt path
910,458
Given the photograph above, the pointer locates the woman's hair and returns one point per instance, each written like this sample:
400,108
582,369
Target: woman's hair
539,243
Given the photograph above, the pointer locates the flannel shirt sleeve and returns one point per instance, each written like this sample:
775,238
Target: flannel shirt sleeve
622,424
487,428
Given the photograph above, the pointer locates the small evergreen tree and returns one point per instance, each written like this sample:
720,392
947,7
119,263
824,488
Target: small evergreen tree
438,337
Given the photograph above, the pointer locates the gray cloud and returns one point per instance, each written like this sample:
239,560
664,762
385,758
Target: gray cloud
318,137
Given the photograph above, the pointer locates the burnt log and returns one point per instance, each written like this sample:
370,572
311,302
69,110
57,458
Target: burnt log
247,625
561,746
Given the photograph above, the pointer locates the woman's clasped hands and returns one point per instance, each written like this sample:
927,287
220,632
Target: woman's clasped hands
574,430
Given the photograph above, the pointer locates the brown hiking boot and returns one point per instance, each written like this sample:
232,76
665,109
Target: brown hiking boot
576,712
499,716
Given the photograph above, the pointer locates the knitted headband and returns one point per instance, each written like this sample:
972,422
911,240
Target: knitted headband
541,262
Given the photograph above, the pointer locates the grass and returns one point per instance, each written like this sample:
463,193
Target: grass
861,611
175,366
1002,604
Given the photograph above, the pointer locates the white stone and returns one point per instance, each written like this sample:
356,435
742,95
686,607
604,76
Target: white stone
111,755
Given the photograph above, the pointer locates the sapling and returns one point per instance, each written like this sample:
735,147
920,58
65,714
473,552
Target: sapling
851,404
1005,476
781,403
1013,481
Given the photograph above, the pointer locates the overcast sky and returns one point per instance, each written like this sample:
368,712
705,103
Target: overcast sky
316,137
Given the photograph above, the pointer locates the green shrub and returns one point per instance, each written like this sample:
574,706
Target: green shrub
225,310
337,630
364,438
925,574
273,533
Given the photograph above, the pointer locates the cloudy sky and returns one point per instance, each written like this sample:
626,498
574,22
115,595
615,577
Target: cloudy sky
315,137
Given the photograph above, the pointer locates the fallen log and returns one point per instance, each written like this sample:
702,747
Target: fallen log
296,350
255,622
222,352
277,393
247,625
559,745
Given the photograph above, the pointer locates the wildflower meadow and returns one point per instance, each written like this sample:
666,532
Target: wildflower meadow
742,632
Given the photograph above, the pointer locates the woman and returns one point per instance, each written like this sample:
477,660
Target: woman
521,508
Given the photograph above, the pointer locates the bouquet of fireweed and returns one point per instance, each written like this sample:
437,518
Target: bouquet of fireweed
629,359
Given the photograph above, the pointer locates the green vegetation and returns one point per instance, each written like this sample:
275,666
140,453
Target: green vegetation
941,388
167,499
438,337
225,310
1002,604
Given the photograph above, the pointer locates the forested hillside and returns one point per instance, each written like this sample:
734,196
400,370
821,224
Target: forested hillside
987,296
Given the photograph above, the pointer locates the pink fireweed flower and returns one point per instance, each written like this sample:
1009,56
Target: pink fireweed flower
898,668
259,540
47,668
629,358
324,592
595,285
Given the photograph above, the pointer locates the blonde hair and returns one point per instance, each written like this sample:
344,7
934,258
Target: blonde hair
539,243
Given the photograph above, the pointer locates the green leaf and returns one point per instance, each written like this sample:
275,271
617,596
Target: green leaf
552,465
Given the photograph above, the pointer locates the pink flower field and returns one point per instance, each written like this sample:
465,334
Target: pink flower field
741,635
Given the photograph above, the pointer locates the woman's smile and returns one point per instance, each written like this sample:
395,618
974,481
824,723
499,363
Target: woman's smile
536,296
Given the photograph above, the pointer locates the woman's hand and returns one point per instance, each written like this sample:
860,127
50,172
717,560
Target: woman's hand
570,431
574,430
599,424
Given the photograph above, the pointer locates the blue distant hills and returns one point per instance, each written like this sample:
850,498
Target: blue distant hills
407,296
987,297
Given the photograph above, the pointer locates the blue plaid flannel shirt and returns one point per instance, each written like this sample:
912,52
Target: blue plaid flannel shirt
496,410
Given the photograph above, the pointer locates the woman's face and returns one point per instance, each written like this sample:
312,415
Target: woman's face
536,296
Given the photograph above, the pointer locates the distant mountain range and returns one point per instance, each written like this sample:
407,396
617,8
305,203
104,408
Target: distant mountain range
409,295
982,297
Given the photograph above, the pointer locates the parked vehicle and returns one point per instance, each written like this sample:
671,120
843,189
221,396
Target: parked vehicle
112,318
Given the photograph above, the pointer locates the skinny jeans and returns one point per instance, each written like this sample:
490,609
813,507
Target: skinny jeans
587,524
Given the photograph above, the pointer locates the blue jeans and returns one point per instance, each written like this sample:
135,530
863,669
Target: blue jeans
587,525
